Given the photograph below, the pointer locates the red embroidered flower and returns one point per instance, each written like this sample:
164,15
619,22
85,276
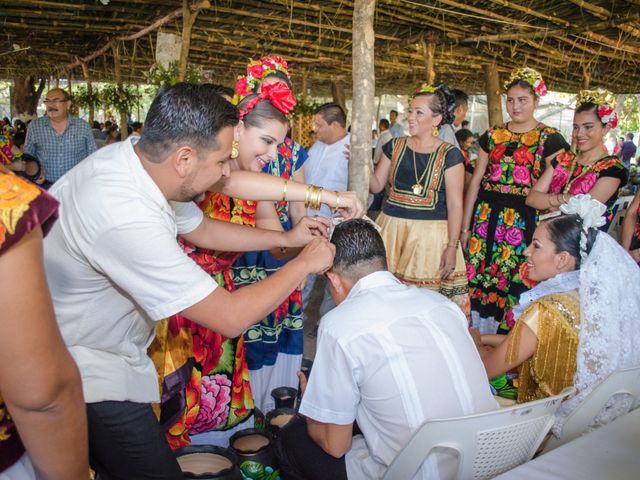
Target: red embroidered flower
255,70
522,156
497,152
242,87
540,88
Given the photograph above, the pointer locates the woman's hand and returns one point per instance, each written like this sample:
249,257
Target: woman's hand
350,206
464,240
635,254
447,262
306,230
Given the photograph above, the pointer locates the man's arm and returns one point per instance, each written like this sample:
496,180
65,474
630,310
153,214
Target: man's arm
39,380
332,438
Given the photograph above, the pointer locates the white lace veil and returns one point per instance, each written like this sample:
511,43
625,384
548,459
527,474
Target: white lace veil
609,325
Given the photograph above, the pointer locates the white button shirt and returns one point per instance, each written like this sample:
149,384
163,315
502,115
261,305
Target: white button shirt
391,356
114,269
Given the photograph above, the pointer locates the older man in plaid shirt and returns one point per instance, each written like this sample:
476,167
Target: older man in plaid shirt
59,140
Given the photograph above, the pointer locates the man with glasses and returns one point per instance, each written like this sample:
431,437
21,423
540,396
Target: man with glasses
59,140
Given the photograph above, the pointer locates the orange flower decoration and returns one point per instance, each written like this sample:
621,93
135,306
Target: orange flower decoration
506,253
501,135
15,196
566,158
598,167
474,245
484,211
509,216
531,137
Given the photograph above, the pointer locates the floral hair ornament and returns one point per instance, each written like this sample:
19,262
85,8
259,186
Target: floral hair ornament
257,71
448,97
530,76
278,94
590,212
604,101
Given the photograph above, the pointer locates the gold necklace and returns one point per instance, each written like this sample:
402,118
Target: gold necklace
417,187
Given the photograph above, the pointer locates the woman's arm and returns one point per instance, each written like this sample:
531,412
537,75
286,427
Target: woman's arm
39,380
378,180
261,186
454,188
472,194
495,361
297,209
629,222
538,197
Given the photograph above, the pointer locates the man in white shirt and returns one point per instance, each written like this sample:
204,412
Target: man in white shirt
394,127
115,268
389,356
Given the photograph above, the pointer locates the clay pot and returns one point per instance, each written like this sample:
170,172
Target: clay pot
255,452
206,462
285,397
279,417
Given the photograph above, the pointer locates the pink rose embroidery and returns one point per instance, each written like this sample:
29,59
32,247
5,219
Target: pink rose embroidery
500,233
514,236
509,319
481,229
496,172
583,184
216,395
471,271
502,282
521,175
560,176
505,189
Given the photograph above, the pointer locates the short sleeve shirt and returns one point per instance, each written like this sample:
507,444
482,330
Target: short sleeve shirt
115,268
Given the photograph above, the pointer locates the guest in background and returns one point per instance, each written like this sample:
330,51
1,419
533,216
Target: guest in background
628,151
394,127
465,140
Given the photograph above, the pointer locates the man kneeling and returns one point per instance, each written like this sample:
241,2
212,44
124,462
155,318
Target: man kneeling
390,357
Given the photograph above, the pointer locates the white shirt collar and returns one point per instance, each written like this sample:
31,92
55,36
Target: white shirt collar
373,280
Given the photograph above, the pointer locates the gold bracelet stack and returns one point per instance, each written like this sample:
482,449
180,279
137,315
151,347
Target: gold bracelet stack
313,197
455,244
284,190
337,202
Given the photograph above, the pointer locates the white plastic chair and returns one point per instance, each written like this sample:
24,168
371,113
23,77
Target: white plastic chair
626,381
487,443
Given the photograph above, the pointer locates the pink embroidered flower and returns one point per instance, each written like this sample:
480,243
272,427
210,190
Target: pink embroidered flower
521,175
509,319
215,398
583,184
514,236
505,189
496,172
540,88
255,70
242,87
500,233
559,179
471,272
502,281
481,229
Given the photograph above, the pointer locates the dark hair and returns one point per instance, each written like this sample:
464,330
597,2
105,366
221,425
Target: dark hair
359,249
565,231
463,135
522,84
107,124
65,94
136,125
19,138
442,103
280,75
393,111
220,89
460,98
384,122
589,107
630,136
332,112
261,112
185,114
464,123
96,124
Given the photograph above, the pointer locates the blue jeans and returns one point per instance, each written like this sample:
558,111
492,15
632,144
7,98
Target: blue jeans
126,442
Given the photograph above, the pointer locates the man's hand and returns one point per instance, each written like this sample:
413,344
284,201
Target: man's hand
350,206
318,255
306,230
303,382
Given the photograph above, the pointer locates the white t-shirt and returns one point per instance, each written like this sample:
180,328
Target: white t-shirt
328,167
114,269
391,356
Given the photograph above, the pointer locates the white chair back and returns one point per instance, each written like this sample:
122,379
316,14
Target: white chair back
622,382
487,443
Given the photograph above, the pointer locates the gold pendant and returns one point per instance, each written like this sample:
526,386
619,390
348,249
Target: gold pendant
417,189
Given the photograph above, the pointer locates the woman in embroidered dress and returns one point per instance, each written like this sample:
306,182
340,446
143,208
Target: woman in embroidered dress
572,329
203,375
497,225
592,170
422,216
274,346
43,426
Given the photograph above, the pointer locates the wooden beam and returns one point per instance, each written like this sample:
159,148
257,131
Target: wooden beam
494,100
364,84
594,10
511,36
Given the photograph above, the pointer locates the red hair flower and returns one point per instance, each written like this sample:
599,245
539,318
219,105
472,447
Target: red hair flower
279,95
608,116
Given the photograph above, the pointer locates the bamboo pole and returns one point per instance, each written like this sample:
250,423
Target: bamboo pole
118,74
494,102
363,97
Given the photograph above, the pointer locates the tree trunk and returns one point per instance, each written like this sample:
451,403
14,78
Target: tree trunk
85,74
494,100
26,96
337,91
118,74
364,86
428,49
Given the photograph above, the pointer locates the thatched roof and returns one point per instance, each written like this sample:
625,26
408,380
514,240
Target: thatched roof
565,40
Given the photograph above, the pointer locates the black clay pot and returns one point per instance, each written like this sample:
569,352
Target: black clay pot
195,464
254,461
285,397
277,418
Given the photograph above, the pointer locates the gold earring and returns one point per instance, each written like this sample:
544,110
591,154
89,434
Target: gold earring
234,150
434,131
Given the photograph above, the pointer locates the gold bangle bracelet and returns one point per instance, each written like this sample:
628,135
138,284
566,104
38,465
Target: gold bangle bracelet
284,190
337,202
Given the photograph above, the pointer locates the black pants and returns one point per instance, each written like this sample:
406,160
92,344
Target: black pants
127,443
301,458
